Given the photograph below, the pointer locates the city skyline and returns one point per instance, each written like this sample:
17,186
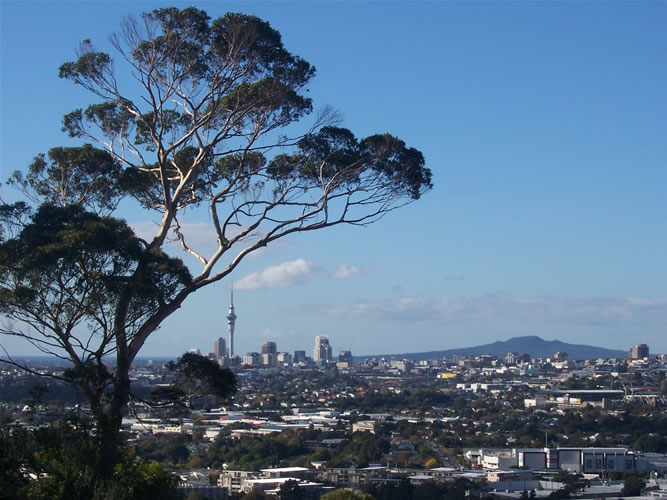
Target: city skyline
511,350
544,126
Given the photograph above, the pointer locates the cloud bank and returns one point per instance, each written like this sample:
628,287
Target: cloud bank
296,272
590,312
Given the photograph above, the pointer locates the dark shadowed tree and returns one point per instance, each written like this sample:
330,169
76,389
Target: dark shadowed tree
290,490
211,125
342,494
632,485
190,377
63,458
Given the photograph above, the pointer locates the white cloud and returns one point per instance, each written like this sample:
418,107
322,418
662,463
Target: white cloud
145,230
201,237
573,311
296,272
273,334
347,271
270,333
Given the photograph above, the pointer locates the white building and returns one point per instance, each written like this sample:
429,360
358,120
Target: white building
322,351
578,460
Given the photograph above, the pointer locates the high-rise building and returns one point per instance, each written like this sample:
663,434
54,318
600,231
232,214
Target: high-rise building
269,348
268,359
252,358
284,358
299,356
511,358
639,351
322,351
220,348
346,357
231,323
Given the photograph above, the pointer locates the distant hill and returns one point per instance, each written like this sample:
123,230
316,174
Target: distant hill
535,346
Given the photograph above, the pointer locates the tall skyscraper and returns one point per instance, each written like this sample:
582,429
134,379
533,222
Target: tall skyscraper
322,351
269,348
220,348
346,357
299,356
269,352
639,351
231,322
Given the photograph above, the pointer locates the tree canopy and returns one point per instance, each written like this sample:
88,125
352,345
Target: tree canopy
195,115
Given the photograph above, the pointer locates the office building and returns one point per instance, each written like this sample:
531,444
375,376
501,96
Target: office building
299,356
252,358
639,351
268,359
220,348
284,359
345,356
269,348
322,351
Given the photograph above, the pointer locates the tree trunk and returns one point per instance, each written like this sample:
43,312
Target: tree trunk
108,419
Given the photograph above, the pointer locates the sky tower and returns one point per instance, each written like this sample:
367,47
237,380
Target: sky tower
231,320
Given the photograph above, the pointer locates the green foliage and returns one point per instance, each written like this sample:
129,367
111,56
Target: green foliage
139,479
656,443
13,447
572,482
58,459
632,485
170,449
83,176
364,448
12,216
253,495
60,462
77,266
622,429
195,495
253,453
203,373
423,399
559,494
429,491
342,494
326,156
404,490
290,490
193,376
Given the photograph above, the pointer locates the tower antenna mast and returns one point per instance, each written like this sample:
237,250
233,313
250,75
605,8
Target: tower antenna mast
231,323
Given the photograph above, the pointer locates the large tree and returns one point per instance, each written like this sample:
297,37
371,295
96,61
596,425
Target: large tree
202,116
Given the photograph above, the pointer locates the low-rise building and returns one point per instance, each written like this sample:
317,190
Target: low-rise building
578,460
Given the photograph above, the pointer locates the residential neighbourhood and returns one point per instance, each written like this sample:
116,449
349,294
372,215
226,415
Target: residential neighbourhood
501,427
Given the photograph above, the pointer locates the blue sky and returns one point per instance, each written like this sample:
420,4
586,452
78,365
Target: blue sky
544,123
